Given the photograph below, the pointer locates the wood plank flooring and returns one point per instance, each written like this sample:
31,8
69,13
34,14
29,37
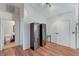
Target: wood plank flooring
13,51
52,49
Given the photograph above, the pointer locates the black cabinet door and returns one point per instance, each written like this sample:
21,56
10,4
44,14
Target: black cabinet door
42,34
34,36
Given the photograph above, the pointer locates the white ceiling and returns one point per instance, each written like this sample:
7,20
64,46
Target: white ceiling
43,10
18,5
57,8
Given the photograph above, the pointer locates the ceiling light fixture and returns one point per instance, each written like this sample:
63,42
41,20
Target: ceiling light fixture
48,4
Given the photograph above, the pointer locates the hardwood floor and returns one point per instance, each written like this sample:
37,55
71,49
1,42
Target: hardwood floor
10,44
52,49
13,51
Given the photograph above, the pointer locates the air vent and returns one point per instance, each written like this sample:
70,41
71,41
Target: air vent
10,9
13,9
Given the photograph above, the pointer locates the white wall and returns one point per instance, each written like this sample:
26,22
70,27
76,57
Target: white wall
64,25
17,17
2,7
17,29
25,25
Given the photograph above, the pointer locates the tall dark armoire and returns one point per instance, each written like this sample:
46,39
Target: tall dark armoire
34,36
37,35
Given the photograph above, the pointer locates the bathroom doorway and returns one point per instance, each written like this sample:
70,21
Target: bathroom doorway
9,34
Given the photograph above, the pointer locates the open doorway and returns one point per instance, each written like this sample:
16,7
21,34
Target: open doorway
9,34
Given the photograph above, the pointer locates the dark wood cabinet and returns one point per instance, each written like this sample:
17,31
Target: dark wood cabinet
37,35
34,36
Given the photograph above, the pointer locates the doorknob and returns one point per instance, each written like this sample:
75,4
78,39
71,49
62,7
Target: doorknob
73,32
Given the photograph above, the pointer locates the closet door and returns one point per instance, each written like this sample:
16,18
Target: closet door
77,35
32,36
42,34
67,33
2,33
73,34
36,35
62,33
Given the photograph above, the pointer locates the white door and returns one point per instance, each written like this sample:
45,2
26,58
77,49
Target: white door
73,35
77,35
2,35
63,34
